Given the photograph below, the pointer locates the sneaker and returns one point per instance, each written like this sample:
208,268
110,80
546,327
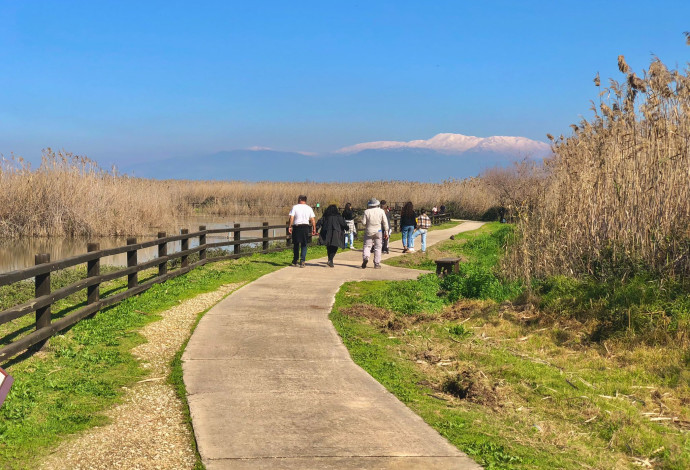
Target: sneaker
386,252
364,263
294,263
301,264
410,250
330,263
377,266
404,249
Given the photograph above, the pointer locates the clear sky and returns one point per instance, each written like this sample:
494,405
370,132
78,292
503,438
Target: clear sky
124,80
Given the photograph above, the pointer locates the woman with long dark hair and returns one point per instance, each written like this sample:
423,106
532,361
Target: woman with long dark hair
332,227
408,223
351,230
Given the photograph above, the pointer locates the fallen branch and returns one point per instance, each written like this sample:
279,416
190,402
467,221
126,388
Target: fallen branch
150,380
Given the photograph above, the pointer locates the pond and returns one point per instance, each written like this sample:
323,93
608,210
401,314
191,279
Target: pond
20,253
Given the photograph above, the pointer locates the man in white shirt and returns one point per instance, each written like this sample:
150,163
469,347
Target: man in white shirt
376,229
301,218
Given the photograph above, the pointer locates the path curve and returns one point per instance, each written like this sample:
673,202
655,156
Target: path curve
271,386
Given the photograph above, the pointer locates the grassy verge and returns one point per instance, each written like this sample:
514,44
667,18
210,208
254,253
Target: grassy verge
513,386
65,388
177,381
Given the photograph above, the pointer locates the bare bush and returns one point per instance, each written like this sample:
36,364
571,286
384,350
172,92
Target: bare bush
516,189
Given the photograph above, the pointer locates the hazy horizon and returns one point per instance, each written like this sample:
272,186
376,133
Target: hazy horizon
129,82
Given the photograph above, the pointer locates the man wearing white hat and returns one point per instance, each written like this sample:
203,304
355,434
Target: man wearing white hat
376,229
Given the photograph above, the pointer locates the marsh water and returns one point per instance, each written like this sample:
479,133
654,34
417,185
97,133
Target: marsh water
18,254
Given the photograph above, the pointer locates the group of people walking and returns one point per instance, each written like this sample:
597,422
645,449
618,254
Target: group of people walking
338,230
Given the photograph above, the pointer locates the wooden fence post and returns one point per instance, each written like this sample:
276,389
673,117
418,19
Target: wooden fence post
202,241
264,245
237,239
132,279
184,246
93,269
42,287
162,252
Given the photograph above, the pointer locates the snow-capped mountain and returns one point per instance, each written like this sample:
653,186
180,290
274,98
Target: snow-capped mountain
441,157
456,144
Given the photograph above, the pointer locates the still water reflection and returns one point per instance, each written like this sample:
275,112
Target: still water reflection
18,254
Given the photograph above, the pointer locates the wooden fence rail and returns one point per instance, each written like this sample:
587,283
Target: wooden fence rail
44,299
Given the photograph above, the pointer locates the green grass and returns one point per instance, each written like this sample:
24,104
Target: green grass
66,388
478,277
648,308
517,388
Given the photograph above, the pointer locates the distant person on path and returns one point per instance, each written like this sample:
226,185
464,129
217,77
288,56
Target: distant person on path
423,224
386,209
443,209
332,226
301,218
376,229
351,231
407,224
434,210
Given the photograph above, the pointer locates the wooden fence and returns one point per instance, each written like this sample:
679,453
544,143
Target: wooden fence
41,272
43,300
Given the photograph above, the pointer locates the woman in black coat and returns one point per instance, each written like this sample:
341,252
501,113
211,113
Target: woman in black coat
332,226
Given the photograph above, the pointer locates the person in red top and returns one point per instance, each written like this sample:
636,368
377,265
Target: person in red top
423,225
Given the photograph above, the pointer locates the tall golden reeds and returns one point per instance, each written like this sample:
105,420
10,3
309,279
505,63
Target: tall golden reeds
617,193
70,195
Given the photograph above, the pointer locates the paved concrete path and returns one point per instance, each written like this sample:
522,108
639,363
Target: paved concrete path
271,385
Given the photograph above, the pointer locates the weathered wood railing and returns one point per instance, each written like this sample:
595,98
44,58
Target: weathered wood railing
44,299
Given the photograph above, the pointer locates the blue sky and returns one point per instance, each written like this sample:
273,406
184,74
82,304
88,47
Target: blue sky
120,81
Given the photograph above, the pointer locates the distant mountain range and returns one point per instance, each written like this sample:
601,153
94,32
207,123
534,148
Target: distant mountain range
444,156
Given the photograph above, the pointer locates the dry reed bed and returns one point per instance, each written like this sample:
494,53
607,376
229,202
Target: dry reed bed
70,195
269,198
617,193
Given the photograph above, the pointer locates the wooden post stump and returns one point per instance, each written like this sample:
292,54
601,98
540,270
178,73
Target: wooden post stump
445,266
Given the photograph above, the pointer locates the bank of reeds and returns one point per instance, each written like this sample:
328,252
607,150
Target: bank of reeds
616,197
68,195
470,197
